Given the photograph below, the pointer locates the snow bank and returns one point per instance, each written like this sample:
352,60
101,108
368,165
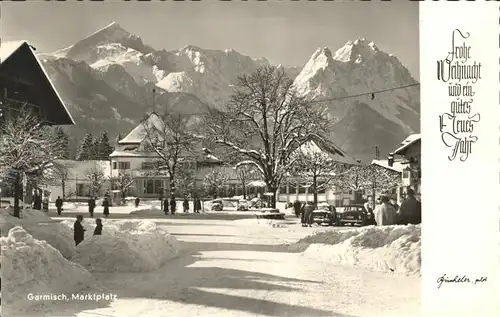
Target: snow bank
388,249
127,246
264,222
41,227
33,266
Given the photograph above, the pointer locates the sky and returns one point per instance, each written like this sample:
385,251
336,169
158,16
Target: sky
284,32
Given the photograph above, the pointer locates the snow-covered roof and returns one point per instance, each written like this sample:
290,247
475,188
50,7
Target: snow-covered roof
396,166
8,49
410,140
79,169
322,145
257,183
138,134
119,153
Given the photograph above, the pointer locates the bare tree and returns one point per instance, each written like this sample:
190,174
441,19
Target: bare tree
264,122
59,175
96,177
368,177
123,182
215,181
27,149
316,167
169,138
184,182
245,173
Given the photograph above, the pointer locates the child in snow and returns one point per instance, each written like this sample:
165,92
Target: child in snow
98,228
105,204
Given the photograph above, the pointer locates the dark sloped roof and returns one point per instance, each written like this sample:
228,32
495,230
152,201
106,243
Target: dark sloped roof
18,61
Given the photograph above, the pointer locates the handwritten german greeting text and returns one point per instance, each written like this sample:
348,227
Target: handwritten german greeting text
461,73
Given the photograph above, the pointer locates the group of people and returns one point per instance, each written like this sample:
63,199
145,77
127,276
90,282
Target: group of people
79,230
388,213
305,211
172,203
92,204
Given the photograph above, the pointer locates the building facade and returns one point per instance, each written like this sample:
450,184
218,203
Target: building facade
410,153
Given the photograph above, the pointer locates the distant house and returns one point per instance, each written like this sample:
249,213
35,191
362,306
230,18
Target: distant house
295,188
132,157
75,177
395,166
410,153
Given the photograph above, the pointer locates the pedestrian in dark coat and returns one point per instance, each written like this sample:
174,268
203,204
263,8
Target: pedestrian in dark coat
296,208
173,205
410,211
59,205
308,210
78,230
303,215
105,204
98,228
91,204
185,205
197,204
37,201
137,201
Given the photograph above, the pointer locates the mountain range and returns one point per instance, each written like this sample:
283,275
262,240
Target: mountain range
111,79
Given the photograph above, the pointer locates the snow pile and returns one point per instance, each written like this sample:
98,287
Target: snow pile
390,248
264,222
128,246
41,227
33,266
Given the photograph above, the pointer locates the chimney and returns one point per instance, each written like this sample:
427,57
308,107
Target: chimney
390,159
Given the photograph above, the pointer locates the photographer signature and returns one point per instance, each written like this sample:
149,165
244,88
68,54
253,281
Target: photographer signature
444,279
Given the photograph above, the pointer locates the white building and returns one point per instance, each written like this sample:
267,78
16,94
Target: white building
75,177
131,157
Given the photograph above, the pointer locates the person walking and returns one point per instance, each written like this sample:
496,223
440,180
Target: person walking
78,230
303,220
308,210
385,214
137,201
98,227
59,205
105,204
185,205
296,208
45,204
91,204
165,206
410,211
197,205
173,205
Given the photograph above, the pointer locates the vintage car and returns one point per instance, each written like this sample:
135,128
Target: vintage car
355,215
216,205
243,205
325,214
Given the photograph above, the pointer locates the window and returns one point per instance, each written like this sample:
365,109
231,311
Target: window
148,165
114,165
123,165
158,186
148,186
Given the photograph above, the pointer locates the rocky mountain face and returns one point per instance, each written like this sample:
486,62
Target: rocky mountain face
111,79
359,123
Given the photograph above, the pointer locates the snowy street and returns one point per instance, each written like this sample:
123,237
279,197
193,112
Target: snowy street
240,268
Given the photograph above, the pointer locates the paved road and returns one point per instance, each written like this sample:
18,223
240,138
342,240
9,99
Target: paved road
236,270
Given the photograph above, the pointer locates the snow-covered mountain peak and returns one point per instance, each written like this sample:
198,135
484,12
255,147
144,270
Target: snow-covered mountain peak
356,51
